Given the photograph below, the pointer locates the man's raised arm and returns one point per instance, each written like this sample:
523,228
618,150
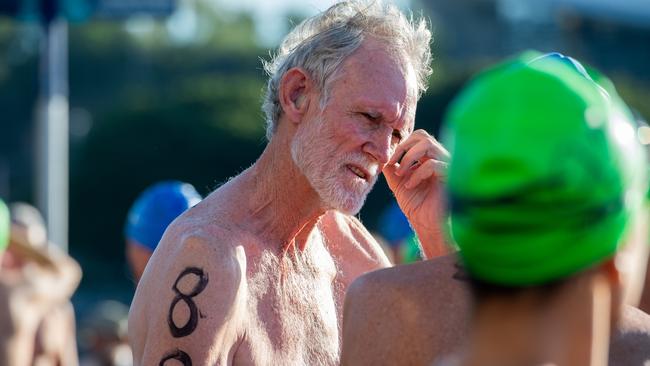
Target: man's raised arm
188,306
415,174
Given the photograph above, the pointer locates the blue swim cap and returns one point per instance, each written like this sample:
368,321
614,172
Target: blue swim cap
394,226
156,208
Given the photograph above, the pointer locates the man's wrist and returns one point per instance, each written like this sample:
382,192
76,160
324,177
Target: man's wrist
433,240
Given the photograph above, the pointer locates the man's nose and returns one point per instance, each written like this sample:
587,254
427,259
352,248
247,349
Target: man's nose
380,146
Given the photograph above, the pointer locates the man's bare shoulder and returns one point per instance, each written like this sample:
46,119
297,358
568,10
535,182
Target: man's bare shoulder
407,314
346,233
630,343
337,223
418,283
205,229
189,297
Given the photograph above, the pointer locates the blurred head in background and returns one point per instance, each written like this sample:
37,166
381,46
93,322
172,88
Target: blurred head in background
103,336
149,217
28,239
547,190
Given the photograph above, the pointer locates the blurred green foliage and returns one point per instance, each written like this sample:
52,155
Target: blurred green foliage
160,110
147,108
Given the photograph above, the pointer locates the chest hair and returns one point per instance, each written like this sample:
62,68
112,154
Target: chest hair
292,305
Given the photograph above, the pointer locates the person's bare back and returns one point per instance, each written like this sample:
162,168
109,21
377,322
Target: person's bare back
407,315
419,313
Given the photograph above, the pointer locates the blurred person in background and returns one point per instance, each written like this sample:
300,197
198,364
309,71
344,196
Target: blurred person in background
155,208
104,337
555,241
256,273
36,283
547,191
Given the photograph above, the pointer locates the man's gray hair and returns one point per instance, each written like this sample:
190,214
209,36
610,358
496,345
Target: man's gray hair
320,44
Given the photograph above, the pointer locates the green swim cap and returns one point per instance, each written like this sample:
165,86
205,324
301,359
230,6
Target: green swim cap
5,225
545,171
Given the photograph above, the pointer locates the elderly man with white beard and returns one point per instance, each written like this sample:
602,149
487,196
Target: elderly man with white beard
257,272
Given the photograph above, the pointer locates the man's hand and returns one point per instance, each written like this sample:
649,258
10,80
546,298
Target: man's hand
415,174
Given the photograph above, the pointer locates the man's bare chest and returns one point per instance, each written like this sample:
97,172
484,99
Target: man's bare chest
291,311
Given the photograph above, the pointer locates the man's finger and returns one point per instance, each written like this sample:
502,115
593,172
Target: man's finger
419,137
425,171
425,150
412,156
413,139
401,150
391,178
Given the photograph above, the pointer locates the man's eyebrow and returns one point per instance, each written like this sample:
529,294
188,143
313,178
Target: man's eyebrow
384,114
370,110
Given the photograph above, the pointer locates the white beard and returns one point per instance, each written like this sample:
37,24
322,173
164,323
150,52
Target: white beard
313,152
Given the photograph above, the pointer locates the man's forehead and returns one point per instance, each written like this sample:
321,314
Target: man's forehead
376,77
373,57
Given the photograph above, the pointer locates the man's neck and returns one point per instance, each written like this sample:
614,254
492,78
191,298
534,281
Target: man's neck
283,206
572,328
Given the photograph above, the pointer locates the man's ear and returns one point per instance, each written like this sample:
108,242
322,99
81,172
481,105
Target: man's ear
294,92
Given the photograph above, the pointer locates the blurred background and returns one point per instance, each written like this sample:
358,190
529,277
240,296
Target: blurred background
166,89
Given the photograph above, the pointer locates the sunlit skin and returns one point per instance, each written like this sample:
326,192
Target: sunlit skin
275,256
